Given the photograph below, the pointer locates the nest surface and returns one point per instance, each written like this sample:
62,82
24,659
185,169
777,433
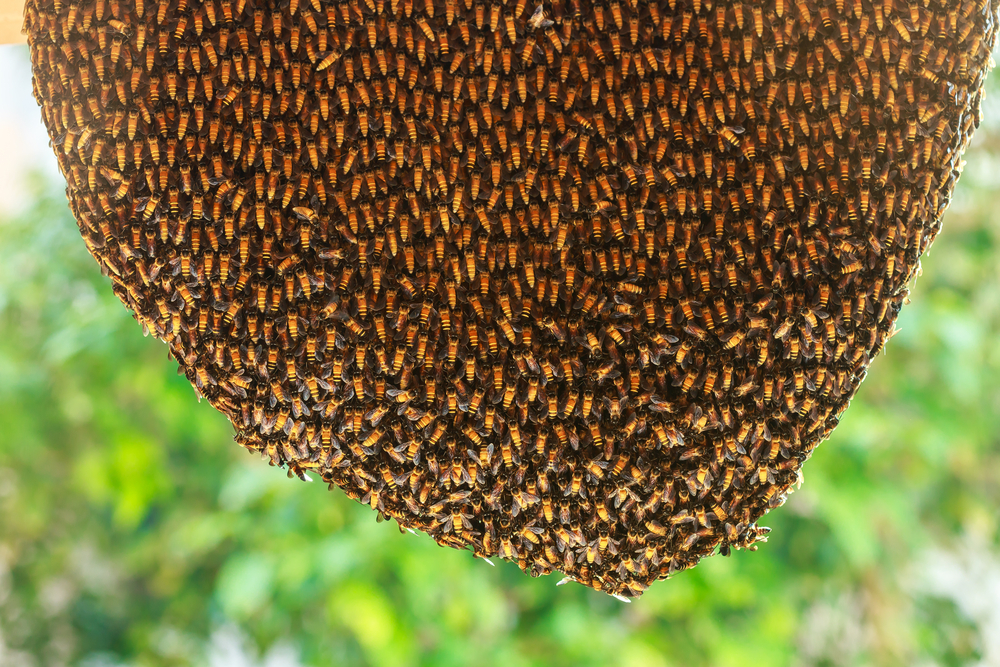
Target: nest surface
580,287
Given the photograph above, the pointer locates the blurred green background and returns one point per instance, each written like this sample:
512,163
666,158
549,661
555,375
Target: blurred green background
133,531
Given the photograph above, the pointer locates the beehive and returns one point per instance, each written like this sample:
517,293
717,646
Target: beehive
581,286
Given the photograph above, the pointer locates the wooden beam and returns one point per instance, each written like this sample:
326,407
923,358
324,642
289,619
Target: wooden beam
11,20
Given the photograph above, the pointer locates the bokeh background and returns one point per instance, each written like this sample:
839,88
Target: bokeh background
133,531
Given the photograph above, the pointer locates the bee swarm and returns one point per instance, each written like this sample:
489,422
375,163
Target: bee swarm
580,287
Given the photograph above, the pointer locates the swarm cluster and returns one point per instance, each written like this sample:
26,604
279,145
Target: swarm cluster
580,286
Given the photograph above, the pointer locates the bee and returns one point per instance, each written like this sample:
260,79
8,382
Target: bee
328,60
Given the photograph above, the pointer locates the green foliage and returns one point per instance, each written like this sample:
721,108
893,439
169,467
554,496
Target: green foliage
132,528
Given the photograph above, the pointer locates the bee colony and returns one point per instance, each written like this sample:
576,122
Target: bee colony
581,286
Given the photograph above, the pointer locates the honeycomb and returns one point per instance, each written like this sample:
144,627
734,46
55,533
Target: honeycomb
579,285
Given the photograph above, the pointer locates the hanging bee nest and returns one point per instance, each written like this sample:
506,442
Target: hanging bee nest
580,287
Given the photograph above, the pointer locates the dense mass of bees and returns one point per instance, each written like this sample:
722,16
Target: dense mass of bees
580,286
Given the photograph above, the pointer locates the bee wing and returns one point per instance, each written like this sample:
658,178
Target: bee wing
695,331
140,204
375,416
574,439
533,365
412,504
